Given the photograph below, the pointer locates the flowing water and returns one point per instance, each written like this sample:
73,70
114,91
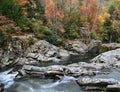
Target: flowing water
65,84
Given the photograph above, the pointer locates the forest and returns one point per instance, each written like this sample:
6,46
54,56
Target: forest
57,21
59,45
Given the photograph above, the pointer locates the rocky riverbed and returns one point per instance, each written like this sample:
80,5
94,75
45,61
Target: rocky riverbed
29,56
98,65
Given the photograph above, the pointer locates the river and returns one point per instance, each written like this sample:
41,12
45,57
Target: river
65,84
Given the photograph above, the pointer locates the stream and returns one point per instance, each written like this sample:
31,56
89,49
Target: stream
66,84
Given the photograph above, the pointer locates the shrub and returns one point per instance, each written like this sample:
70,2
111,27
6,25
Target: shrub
73,34
53,39
7,29
93,35
14,12
111,9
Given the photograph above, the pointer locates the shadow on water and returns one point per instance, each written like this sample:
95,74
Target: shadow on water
66,84
69,60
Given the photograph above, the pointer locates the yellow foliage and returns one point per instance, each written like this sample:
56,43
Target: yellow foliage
103,7
106,15
24,11
101,19
21,2
36,14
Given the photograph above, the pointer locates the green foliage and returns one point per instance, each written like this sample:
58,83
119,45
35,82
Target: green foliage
104,37
107,23
73,34
53,39
44,32
93,35
14,12
28,41
111,9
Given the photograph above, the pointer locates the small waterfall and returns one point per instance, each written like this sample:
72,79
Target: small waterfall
7,78
64,79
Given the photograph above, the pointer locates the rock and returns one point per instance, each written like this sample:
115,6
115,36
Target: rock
37,71
109,46
76,69
98,84
20,52
7,77
1,87
113,88
76,46
15,50
1,53
93,46
110,57
44,51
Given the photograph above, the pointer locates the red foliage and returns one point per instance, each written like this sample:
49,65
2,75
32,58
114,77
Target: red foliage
59,14
89,10
7,25
52,11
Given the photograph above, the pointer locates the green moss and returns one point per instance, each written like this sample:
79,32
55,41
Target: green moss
28,41
103,49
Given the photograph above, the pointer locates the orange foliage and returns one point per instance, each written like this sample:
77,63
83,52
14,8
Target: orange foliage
21,2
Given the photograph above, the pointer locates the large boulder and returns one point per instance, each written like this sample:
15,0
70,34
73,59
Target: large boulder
93,46
44,51
76,46
110,57
15,50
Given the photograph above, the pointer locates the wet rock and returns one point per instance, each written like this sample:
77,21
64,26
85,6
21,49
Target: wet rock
113,88
98,84
37,71
110,57
1,87
7,77
76,69
76,46
93,46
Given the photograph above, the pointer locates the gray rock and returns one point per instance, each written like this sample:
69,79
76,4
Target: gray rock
93,46
76,46
113,88
18,52
44,51
108,46
96,82
110,57
37,71
75,69
99,84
